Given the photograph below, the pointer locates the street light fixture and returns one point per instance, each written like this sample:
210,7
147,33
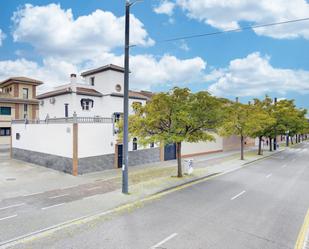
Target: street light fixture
125,180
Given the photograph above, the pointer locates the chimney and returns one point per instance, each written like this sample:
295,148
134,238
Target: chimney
73,78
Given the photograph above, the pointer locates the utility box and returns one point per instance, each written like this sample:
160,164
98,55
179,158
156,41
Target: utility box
189,166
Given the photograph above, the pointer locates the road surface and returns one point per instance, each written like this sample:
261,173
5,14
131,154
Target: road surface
261,206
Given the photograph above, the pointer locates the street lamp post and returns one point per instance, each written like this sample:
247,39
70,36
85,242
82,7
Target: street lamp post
125,180
275,138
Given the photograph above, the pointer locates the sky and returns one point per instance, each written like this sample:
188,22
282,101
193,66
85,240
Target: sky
49,40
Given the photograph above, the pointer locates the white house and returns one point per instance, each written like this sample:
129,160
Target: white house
100,96
88,142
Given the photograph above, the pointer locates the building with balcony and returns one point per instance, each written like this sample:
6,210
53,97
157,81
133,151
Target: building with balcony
17,101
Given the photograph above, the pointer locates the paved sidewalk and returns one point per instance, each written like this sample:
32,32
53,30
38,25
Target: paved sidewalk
34,178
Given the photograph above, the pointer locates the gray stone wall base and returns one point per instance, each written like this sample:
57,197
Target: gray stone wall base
87,164
96,163
145,156
59,163
103,162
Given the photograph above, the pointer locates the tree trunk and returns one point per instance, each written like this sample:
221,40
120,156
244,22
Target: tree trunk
260,145
292,140
270,145
178,152
241,147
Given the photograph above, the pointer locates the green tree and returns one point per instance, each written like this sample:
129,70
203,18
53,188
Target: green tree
175,117
244,121
267,120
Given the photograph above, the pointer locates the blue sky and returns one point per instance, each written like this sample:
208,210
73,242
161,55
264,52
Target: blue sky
49,40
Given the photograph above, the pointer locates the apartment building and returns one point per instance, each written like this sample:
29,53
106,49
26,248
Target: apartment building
17,101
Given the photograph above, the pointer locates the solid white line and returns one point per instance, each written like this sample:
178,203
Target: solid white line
15,205
164,241
236,196
268,175
8,217
57,196
57,205
94,188
37,193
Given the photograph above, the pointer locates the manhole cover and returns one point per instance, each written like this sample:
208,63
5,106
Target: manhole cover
11,179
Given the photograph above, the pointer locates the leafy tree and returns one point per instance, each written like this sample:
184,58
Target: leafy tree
266,118
244,121
176,117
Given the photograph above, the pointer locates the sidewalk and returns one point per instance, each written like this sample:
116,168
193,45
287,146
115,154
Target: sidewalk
33,178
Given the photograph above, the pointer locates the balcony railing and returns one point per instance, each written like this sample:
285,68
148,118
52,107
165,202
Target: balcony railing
64,120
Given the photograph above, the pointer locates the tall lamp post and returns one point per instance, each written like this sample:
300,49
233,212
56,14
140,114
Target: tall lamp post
125,180
275,138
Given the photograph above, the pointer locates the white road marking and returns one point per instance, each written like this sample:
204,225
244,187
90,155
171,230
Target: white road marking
58,196
37,193
236,196
93,188
164,241
284,165
72,186
57,205
11,206
268,175
8,217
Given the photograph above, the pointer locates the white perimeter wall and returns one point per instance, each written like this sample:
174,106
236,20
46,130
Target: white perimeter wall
55,139
202,147
95,140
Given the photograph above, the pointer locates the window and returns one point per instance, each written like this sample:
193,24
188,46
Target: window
6,131
66,110
117,116
92,81
25,93
86,104
25,111
4,110
135,143
118,88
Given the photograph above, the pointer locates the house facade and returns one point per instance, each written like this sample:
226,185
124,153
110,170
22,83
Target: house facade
17,101
77,128
101,95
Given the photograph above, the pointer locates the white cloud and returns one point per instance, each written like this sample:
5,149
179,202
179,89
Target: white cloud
148,70
69,45
165,7
227,14
184,46
53,72
53,31
255,76
2,37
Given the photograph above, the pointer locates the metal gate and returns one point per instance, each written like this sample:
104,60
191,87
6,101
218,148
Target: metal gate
169,152
119,152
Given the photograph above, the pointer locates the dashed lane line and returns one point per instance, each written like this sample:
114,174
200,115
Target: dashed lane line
11,206
158,245
52,206
57,196
8,217
236,196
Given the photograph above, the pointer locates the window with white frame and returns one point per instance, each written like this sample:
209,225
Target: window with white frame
86,104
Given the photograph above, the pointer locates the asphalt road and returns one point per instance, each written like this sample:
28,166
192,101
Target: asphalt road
261,206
